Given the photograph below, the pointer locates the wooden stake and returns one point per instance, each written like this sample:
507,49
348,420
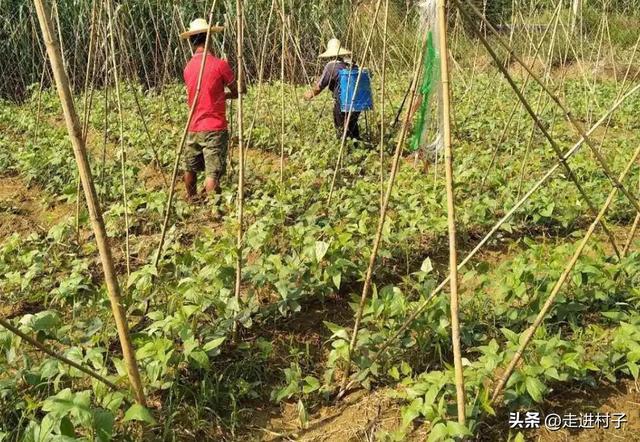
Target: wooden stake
240,81
282,108
382,97
88,99
102,240
451,208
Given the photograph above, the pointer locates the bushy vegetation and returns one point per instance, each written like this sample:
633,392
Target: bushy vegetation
300,251
305,259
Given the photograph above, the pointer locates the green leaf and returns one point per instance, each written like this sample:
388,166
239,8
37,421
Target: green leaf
103,424
66,427
338,331
409,414
112,400
321,250
337,279
511,336
200,358
66,402
189,310
45,321
311,384
426,266
438,432
139,413
535,388
633,369
213,344
457,430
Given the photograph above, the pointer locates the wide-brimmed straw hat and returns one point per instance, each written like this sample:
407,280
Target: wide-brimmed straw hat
199,26
334,49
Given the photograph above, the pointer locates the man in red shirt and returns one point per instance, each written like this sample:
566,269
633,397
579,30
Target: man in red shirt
207,138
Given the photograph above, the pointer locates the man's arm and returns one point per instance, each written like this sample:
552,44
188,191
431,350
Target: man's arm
322,83
232,92
231,84
312,93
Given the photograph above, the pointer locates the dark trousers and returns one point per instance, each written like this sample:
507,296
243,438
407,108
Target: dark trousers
339,119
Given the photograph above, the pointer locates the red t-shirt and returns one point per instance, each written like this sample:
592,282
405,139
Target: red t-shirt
210,112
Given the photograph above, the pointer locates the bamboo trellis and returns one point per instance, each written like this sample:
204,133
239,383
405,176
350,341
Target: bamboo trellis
289,42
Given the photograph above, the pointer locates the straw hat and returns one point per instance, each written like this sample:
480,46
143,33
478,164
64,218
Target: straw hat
199,26
334,49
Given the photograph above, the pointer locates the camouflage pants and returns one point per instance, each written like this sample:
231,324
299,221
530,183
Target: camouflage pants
206,151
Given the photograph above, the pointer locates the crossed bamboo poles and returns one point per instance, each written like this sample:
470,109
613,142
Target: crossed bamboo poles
562,161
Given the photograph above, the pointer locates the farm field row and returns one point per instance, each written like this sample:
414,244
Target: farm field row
305,262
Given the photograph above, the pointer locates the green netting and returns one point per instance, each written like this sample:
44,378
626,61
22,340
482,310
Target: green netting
429,75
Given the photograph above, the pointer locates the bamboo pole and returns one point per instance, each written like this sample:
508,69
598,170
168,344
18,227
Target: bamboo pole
381,222
542,127
176,164
39,104
241,165
412,317
79,150
16,331
632,232
382,97
258,99
576,15
88,99
568,114
147,132
105,133
282,108
451,208
123,150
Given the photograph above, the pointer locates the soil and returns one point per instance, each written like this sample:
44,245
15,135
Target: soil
359,417
603,70
622,397
22,210
363,415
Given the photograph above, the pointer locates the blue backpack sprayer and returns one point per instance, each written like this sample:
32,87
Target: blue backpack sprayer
351,98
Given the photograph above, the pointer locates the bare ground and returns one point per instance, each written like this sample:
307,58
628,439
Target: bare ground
22,209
